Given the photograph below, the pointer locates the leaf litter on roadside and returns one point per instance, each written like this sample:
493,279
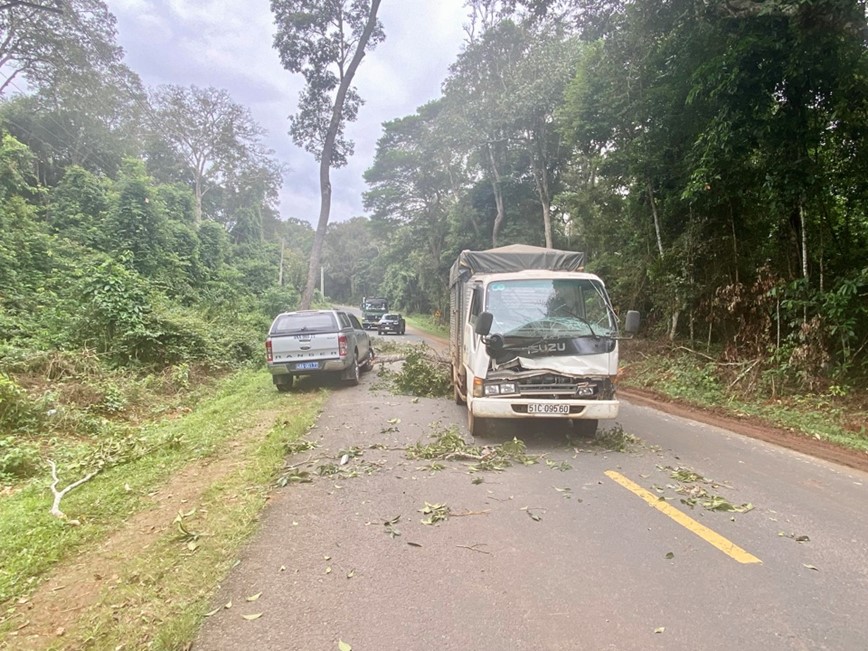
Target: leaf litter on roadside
611,439
448,445
533,514
390,527
696,494
435,512
800,539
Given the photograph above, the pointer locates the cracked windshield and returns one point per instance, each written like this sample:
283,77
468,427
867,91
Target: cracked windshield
550,308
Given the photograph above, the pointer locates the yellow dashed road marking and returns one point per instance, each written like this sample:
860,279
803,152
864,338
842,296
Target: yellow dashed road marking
711,537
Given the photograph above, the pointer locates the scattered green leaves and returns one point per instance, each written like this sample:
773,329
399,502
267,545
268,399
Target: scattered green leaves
390,527
435,513
801,539
686,475
563,466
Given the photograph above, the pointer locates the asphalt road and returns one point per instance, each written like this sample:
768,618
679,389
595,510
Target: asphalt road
575,552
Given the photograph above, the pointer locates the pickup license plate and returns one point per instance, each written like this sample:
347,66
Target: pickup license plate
301,366
544,408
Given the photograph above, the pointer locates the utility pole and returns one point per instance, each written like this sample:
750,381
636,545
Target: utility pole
280,273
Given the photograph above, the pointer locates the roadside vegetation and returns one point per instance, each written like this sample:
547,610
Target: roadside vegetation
224,457
835,413
142,255
430,324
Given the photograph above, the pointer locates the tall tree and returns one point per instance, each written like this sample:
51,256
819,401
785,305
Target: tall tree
216,137
479,96
49,41
410,179
325,42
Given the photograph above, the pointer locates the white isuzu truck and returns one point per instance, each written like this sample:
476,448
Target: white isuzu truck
532,336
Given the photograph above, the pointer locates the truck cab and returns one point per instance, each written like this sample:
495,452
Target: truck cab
373,309
535,343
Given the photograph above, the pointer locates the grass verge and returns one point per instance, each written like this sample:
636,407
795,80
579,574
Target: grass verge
161,591
699,383
429,325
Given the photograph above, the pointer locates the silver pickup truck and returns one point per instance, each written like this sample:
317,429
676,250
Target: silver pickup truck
314,342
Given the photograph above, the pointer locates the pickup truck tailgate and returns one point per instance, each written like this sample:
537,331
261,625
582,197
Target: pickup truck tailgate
304,337
304,347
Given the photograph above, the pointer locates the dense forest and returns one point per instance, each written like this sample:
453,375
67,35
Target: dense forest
707,156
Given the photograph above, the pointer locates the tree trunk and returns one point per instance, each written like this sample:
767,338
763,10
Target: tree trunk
197,208
540,176
541,179
656,219
804,228
734,242
326,158
498,198
280,271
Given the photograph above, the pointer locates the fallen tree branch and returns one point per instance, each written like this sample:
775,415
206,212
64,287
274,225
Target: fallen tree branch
432,357
473,548
709,357
744,372
458,515
59,495
466,456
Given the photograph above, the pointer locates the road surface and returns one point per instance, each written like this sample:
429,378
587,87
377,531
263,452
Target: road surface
587,549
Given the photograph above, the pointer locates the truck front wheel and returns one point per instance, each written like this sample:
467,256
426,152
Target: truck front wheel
584,428
478,426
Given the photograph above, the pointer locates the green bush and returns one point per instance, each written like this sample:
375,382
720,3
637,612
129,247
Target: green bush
18,413
18,459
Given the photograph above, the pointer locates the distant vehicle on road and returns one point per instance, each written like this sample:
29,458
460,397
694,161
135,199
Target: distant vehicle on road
373,310
391,323
314,342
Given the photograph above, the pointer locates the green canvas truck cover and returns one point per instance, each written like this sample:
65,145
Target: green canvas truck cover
515,257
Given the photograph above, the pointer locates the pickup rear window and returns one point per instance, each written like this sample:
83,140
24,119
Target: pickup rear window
305,322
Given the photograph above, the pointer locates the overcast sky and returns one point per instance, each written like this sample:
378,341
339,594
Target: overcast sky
227,44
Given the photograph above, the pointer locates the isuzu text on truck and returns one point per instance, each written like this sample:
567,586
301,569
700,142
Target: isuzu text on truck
532,336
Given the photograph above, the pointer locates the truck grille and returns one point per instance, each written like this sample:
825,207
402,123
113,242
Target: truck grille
556,387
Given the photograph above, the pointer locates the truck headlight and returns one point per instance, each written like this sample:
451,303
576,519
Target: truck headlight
500,388
585,392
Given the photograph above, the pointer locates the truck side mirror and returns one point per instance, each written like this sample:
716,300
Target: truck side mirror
632,324
483,323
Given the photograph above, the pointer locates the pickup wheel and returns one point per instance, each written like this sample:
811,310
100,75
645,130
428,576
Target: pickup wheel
369,363
285,384
353,373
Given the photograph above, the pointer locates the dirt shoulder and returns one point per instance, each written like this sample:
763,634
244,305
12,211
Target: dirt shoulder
752,427
67,594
